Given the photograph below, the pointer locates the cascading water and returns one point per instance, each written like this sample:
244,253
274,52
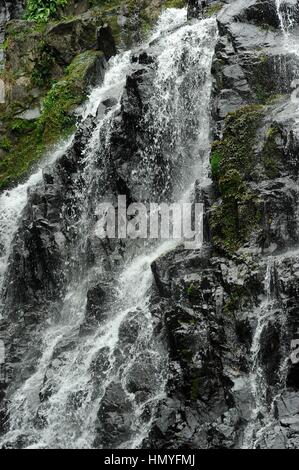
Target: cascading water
258,384
285,17
285,14
271,311
12,203
113,374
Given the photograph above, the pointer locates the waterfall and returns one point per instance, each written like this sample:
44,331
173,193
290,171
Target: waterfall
286,16
113,374
270,311
283,24
287,23
258,384
12,203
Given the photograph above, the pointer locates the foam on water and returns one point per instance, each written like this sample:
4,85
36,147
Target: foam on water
179,114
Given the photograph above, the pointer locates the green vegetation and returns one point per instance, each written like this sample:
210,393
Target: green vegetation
28,140
190,290
141,16
41,74
238,297
272,155
233,166
212,9
42,10
175,3
195,388
69,92
249,151
216,158
45,81
5,143
262,80
4,45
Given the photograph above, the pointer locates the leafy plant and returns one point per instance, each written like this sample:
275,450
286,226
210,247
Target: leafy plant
42,10
5,144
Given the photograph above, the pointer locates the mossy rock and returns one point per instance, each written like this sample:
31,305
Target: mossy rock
174,3
272,154
36,66
263,77
29,140
57,117
212,9
237,213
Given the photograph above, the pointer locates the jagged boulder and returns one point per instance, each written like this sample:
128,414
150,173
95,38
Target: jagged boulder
115,417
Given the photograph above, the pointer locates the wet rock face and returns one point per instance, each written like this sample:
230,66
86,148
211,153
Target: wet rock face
230,323
37,260
8,11
247,56
48,232
205,346
210,308
115,418
69,38
14,8
37,273
95,298
228,314
194,8
55,48
46,254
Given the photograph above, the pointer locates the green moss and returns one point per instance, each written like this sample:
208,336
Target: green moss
236,162
272,155
239,296
194,294
267,27
5,143
233,165
19,159
26,142
190,291
20,127
29,140
262,79
4,45
141,16
236,149
26,147
195,387
57,118
175,3
216,158
41,74
212,10
7,76
275,98
42,10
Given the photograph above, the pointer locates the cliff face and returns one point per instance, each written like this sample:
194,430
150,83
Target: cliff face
231,314
226,316
35,62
